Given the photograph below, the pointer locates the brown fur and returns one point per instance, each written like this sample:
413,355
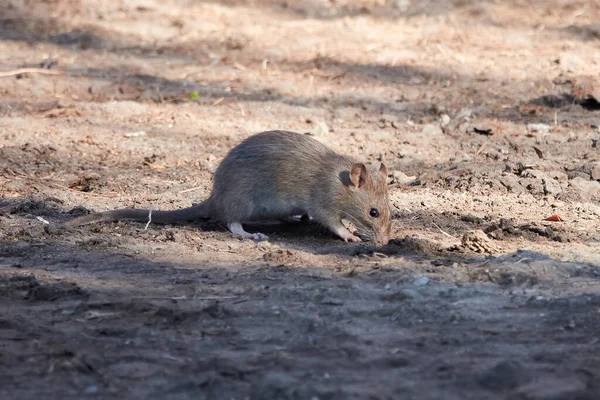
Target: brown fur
276,174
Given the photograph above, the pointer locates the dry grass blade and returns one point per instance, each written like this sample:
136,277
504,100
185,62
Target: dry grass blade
21,71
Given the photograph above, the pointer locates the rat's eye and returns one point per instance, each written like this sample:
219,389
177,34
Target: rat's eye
374,213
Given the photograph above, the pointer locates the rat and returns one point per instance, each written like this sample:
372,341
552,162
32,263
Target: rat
276,175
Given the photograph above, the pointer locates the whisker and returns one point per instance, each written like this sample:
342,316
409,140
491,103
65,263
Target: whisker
355,221
362,229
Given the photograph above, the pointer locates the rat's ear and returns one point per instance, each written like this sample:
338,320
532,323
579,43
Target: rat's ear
358,175
383,171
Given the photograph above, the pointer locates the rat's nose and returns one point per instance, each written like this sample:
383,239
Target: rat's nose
382,240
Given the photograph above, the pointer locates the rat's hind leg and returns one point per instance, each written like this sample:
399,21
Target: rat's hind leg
236,229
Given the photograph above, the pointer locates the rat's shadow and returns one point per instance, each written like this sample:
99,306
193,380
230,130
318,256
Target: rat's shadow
310,236
303,235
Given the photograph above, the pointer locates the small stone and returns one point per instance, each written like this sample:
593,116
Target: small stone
403,5
401,178
321,129
578,174
510,167
211,158
589,189
472,219
421,281
465,114
135,134
445,119
506,375
539,128
533,173
511,183
551,187
410,94
595,171
431,130
558,176
92,389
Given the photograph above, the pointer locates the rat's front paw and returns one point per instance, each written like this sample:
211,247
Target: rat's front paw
352,238
343,232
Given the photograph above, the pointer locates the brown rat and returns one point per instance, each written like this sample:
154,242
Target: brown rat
275,175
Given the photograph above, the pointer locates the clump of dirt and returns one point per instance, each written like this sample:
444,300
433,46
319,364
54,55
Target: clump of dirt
531,231
413,246
27,287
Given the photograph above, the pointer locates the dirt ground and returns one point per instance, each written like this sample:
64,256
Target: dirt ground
485,113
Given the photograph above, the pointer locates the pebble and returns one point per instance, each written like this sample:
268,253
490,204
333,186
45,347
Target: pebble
538,127
587,188
92,389
421,281
445,119
465,113
505,376
402,179
595,171
403,5
135,134
431,130
321,129
551,187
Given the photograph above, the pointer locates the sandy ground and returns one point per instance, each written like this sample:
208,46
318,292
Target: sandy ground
485,113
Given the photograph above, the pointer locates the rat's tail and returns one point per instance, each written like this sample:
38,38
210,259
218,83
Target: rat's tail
197,211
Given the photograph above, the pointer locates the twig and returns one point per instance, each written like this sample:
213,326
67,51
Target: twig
445,233
481,148
245,300
378,254
149,220
42,220
185,298
191,189
524,259
29,71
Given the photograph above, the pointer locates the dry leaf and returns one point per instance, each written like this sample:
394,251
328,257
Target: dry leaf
554,218
156,166
538,152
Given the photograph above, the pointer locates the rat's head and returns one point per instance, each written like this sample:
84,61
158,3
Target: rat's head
366,203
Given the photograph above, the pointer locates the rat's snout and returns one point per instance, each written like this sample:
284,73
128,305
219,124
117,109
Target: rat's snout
382,241
382,238
382,235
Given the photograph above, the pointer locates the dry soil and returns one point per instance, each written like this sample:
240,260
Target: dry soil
485,112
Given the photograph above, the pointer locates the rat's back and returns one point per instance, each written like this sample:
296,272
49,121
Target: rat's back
267,145
273,174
